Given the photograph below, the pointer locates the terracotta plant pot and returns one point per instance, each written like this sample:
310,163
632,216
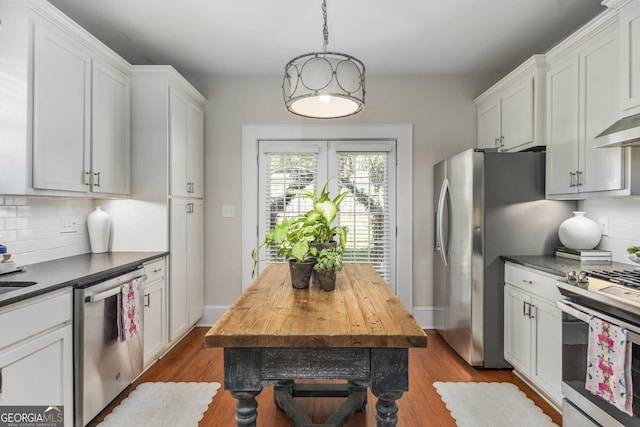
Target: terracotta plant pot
300,273
327,279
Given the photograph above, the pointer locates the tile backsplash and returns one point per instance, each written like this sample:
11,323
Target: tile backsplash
623,215
36,229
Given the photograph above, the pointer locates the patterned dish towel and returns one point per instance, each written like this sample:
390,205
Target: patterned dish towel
129,310
609,364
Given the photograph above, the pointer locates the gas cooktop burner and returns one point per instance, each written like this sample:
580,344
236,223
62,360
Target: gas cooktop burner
628,278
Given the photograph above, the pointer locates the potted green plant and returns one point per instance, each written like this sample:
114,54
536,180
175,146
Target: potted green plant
329,262
291,242
318,224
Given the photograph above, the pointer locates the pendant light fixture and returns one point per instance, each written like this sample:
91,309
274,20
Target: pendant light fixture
324,85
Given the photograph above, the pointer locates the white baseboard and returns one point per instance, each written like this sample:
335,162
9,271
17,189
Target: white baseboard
423,315
211,314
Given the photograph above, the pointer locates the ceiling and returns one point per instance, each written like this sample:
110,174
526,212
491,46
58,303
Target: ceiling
391,37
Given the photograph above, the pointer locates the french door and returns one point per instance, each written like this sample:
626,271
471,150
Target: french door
366,169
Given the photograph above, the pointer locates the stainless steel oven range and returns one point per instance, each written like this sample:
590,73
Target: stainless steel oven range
613,296
104,364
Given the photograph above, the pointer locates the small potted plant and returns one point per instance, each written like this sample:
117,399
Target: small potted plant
291,242
329,262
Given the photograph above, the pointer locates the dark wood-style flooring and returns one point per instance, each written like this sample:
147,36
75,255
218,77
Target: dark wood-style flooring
420,406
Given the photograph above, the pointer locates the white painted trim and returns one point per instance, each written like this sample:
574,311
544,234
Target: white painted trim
424,316
403,134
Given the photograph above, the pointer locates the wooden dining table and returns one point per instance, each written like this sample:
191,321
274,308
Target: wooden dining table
359,333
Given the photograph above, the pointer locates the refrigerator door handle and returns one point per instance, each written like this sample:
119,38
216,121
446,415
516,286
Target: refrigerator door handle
441,245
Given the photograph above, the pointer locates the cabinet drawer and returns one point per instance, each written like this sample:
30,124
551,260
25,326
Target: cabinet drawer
26,318
155,270
537,283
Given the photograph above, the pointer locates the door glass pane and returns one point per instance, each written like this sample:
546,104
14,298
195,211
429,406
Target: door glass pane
365,211
286,172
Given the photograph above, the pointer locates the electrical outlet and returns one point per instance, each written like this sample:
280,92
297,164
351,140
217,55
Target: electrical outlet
604,226
68,224
228,212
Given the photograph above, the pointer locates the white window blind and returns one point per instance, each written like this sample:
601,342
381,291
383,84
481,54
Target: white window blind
285,172
367,210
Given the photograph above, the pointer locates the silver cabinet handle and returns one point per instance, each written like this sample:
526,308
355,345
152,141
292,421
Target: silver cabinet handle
524,308
87,178
531,307
501,142
0,380
527,282
147,302
97,174
497,143
579,174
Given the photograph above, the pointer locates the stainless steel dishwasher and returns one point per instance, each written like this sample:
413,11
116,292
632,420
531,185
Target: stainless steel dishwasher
104,365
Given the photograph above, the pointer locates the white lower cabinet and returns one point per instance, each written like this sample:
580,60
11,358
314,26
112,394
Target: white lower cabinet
533,329
36,353
187,265
155,311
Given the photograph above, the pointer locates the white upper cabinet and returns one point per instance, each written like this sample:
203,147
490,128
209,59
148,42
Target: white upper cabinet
629,55
69,122
110,149
510,112
61,106
186,146
582,101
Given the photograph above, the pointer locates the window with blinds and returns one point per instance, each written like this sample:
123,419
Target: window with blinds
366,210
285,172
364,168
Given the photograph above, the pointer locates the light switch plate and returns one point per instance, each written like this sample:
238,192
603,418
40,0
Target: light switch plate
228,212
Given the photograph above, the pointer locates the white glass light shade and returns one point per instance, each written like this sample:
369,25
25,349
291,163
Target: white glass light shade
324,85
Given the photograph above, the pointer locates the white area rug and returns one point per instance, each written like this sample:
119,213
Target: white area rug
163,404
491,405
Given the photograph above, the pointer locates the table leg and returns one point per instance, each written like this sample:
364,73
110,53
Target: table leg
246,408
389,380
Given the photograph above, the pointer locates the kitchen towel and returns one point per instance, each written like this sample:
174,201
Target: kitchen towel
129,310
609,364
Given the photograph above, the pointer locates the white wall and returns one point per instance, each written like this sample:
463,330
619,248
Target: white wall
624,223
30,227
440,108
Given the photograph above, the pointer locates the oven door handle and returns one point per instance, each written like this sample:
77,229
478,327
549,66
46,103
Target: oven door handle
583,313
109,292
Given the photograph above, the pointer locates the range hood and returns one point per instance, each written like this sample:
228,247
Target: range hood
623,133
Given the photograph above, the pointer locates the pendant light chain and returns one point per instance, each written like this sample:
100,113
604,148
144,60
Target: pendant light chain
325,28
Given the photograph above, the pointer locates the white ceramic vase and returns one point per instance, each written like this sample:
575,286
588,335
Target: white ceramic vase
579,232
99,225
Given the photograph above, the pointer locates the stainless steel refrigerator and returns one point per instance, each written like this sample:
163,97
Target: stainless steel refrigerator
486,204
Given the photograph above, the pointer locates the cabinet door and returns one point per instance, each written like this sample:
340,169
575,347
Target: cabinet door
562,126
61,102
517,329
602,168
546,369
154,316
110,151
40,372
517,116
178,290
489,124
195,257
178,130
195,147
630,64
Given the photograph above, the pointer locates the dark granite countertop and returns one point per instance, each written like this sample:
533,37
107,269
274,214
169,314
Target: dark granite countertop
560,266
71,271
